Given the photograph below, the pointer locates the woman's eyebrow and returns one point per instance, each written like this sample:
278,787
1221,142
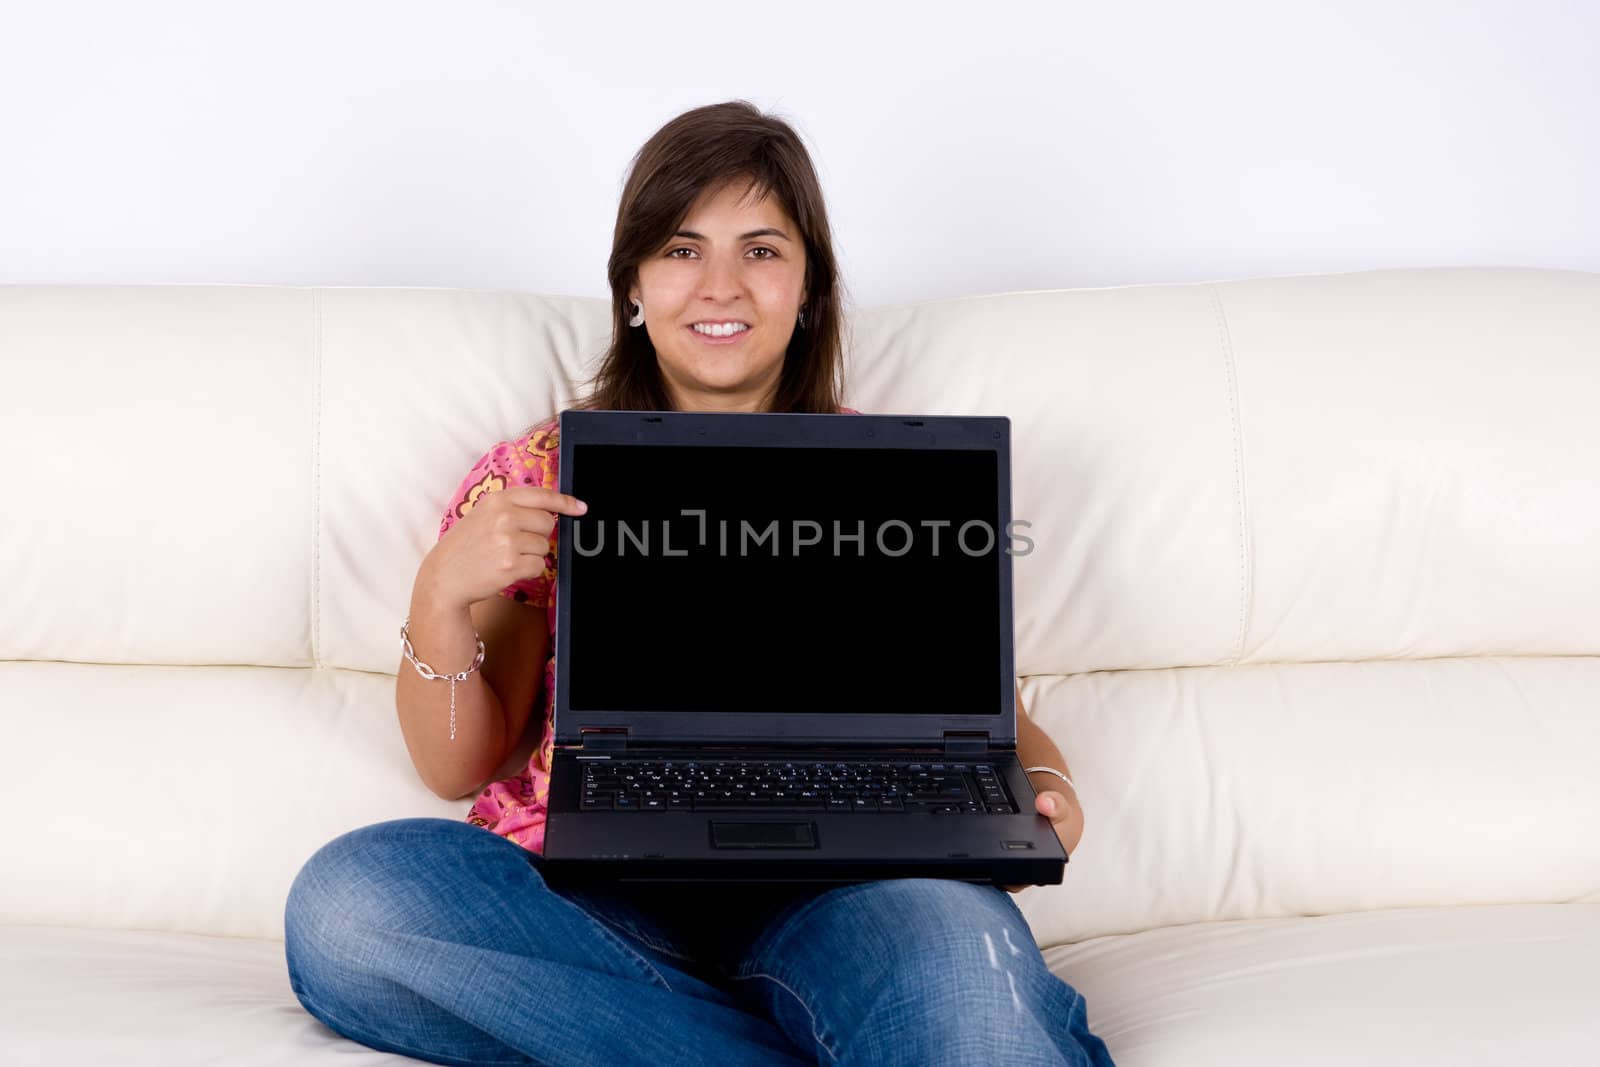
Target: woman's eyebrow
768,232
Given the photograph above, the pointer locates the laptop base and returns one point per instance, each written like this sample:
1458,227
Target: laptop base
596,847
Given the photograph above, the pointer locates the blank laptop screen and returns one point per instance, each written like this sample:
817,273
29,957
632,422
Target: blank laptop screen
785,579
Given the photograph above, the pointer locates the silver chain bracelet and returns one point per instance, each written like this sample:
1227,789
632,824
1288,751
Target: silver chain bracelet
428,672
1052,770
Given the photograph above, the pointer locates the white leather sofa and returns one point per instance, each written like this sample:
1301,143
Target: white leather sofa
1314,613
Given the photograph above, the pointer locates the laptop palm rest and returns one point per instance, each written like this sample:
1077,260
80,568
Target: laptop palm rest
763,834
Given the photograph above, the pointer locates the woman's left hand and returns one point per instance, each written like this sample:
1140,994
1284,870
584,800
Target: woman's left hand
1062,814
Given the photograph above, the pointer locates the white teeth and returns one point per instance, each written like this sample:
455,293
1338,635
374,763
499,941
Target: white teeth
727,330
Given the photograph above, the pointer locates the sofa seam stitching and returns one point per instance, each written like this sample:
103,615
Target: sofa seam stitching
1246,589
316,480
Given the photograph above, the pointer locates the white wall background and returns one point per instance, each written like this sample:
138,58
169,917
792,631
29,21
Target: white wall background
963,148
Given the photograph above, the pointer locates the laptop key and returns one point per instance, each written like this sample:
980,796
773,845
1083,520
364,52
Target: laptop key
729,804
594,802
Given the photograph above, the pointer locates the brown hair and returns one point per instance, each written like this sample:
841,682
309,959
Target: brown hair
700,151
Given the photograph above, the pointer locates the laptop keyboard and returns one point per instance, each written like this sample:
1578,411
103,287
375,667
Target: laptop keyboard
757,785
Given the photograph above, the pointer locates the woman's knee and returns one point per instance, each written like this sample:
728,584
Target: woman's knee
956,937
927,938
956,957
364,920
351,877
941,910
401,876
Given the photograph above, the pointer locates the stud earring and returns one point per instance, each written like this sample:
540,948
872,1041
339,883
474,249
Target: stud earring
638,314
801,319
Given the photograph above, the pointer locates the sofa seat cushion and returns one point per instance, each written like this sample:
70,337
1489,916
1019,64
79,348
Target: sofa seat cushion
139,998
1464,986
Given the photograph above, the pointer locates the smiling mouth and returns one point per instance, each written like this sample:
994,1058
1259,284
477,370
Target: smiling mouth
729,329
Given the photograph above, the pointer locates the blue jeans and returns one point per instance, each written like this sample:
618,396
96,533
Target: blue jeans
440,940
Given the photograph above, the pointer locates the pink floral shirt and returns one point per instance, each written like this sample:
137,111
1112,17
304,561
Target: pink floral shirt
514,808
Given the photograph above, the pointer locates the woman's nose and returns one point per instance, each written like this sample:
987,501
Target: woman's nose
720,280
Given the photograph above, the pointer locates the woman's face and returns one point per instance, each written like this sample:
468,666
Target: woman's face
735,262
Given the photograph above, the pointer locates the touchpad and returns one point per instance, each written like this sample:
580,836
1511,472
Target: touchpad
763,834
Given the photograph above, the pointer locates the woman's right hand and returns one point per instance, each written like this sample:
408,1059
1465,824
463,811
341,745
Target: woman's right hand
502,539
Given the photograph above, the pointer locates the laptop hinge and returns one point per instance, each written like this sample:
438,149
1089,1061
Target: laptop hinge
966,742
603,738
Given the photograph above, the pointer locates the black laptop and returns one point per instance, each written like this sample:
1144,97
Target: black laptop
784,653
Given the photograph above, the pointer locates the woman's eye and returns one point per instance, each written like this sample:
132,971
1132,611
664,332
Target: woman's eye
764,253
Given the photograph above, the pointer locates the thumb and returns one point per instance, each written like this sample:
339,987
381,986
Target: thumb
1051,804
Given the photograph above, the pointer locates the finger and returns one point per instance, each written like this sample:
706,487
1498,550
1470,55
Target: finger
523,526
1013,888
534,496
533,544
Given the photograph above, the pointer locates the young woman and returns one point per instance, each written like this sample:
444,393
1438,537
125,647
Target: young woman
432,938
